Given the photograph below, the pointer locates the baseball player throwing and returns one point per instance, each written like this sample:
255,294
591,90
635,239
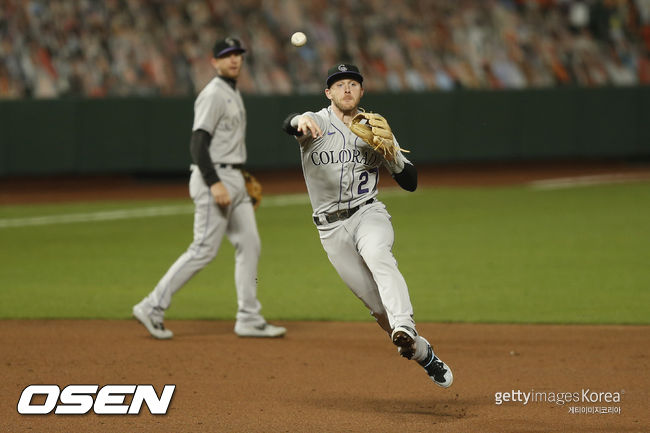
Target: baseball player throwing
222,204
341,173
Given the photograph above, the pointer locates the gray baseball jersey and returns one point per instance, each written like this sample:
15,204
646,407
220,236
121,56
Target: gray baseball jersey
219,110
341,170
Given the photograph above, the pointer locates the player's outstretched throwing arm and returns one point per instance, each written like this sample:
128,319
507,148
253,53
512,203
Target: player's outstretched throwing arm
297,125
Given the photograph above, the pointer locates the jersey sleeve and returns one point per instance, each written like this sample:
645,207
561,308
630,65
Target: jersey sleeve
322,120
208,109
396,166
406,160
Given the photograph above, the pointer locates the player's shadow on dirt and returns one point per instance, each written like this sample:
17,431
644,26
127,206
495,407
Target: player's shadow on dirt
453,407
201,328
448,407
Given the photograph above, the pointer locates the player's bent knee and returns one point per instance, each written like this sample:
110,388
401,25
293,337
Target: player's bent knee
251,245
203,255
379,258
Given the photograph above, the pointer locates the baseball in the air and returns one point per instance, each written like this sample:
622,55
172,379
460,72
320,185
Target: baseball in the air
298,39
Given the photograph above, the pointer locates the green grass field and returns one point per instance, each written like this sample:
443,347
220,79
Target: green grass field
511,254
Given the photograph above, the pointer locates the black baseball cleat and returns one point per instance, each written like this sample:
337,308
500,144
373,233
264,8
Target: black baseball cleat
404,338
437,370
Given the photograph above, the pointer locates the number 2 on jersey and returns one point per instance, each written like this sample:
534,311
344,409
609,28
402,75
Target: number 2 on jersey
363,180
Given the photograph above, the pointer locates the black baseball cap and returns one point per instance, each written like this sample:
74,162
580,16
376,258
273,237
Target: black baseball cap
341,71
226,46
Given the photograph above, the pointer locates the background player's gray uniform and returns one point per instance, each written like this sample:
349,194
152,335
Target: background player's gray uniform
341,173
220,111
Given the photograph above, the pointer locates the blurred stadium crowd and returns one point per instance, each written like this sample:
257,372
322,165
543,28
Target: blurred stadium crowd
90,48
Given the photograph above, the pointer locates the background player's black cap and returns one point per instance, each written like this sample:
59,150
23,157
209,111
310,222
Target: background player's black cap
343,70
227,46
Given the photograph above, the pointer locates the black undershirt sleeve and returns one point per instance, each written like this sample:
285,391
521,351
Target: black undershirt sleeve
199,145
286,125
408,178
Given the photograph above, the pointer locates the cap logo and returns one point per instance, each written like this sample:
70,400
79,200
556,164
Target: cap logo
230,42
342,68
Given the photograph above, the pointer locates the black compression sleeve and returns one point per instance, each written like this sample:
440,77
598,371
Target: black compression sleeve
286,125
407,178
199,144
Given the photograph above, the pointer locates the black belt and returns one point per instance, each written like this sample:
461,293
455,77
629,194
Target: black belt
236,166
341,214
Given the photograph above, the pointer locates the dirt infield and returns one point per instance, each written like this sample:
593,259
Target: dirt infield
332,377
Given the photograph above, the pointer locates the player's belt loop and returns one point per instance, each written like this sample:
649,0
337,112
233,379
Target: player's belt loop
235,166
339,215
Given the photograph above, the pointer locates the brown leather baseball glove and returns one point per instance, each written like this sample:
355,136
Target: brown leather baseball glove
254,188
374,130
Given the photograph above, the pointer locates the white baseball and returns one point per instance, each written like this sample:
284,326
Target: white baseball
298,39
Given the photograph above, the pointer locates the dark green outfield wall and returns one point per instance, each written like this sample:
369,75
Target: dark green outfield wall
152,135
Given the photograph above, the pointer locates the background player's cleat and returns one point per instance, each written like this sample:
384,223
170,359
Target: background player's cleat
153,321
404,338
437,370
265,330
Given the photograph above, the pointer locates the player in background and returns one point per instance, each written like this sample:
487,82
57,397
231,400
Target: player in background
222,204
341,173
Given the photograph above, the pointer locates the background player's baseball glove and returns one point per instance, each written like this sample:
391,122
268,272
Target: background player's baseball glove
374,130
254,188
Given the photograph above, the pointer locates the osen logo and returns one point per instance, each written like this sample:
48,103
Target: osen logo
80,399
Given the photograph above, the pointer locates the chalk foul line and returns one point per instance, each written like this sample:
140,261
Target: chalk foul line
583,181
142,212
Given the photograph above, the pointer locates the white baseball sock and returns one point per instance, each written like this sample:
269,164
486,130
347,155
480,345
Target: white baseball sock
421,349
